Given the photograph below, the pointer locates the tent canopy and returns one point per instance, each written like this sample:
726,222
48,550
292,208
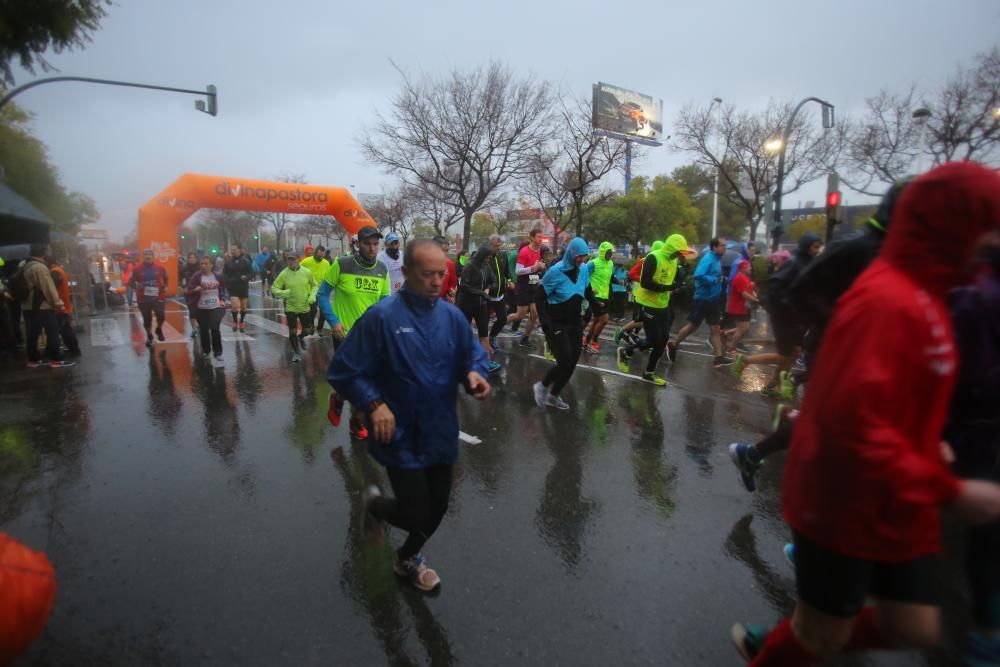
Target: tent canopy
20,222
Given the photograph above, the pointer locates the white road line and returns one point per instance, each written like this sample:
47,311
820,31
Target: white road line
628,376
468,439
104,332
268,325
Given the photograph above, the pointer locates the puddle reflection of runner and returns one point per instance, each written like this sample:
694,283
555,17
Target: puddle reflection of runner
222,424
742,545
699,427
655,479
164,402
248,385
368,578
307,426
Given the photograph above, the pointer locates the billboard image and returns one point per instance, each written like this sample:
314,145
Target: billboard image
625,111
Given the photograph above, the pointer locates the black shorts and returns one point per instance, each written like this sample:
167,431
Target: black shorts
526,294
480,313
706,310
788,335
240,290
738,317
598,306
838,585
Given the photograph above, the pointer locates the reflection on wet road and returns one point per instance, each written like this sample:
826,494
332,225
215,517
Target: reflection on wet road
202,515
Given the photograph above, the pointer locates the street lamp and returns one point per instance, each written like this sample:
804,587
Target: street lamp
209,105
774,145
920,117
715,189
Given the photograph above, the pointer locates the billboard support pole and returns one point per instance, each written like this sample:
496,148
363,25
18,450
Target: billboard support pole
628,165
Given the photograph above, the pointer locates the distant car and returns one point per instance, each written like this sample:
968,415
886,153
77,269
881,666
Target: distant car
632,111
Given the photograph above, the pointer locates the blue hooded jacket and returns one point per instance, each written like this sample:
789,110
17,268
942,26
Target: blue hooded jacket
558,286
707,285
411,352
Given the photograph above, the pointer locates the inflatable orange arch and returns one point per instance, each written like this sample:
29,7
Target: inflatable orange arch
161,218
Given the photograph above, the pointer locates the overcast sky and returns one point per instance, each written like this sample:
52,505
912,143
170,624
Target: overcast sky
299,79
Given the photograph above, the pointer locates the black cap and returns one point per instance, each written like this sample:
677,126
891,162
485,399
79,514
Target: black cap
367,233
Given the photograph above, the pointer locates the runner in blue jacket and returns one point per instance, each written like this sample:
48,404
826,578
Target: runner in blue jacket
402,363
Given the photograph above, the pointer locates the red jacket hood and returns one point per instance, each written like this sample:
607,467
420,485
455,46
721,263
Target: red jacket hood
939,218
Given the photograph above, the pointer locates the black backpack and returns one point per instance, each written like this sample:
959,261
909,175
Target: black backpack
20,289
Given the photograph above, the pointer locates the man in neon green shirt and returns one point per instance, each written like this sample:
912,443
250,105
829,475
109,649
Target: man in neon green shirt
353,284
652,294
598,293
318,265
297,287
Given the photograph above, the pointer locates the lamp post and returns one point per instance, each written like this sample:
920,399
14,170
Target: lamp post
715,188
920,117
827,123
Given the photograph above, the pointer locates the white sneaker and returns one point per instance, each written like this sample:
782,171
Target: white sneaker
296,357
541,394
219,363
557,402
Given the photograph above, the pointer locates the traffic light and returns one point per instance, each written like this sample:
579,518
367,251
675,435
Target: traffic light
832,204
183,236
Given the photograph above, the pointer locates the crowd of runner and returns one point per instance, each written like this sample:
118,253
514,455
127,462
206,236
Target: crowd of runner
886,365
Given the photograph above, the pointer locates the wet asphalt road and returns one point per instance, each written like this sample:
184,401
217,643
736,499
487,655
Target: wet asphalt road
209,516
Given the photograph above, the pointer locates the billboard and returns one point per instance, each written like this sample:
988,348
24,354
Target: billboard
625,111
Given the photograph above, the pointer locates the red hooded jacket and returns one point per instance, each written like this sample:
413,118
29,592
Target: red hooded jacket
865,476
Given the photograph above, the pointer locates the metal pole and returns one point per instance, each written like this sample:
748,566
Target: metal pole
628,166
106,82
776,230
715,189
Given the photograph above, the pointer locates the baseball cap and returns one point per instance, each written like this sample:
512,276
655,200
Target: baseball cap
367,233
391,236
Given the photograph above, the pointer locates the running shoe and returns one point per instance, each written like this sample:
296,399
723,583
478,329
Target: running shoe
194,333
787,389
335,409
34,364
235,327
618,335
633,337
982,650
623,360
219,363
494,367
541,394
800,363
743,349
159,334
789,551
525,343
736,369
671,351
62,364
722,361
593,348
149,340
415,569
739,453
654,378
302,343
556,402
243,326
296,357
749,639
771,391
358,429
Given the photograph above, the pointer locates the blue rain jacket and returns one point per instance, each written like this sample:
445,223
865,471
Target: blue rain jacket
706,277
412,353
558,286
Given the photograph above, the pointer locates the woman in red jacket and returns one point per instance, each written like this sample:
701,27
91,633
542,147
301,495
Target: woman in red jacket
867,474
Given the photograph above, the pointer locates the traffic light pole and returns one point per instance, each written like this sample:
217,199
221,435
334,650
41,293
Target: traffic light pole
209,92
778,230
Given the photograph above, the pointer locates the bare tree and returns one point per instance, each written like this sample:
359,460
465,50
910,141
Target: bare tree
433,207
965,124
228,226
735,145
879,148
392,211
569,166
463,137
279,221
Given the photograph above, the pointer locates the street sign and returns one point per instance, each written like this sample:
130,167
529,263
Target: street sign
94,234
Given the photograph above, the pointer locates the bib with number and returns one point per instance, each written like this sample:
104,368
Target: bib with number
208,298
151,291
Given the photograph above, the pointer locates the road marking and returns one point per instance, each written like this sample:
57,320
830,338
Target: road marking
104,332
268,325
468,439
599,369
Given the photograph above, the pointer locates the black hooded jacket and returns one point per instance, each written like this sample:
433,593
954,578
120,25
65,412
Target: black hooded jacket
780,283
477,278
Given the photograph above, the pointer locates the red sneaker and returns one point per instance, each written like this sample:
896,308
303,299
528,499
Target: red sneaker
243,326
358,429
336,408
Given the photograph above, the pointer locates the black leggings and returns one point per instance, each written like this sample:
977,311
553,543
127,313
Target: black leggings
656,323
209,320
564,343
499,310
314,314
778,441
420,503
147,308
293,333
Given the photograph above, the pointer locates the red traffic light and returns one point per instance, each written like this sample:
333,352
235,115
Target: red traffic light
833,199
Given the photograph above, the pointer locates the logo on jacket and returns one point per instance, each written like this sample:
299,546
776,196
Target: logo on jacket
400,330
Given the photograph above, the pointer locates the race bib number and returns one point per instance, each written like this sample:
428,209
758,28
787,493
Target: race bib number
151,291
209,299
533,279
396,285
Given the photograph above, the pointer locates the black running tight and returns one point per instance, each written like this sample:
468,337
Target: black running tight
421,500
564,343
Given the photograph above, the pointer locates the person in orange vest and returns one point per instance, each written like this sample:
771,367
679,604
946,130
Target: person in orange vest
64,315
